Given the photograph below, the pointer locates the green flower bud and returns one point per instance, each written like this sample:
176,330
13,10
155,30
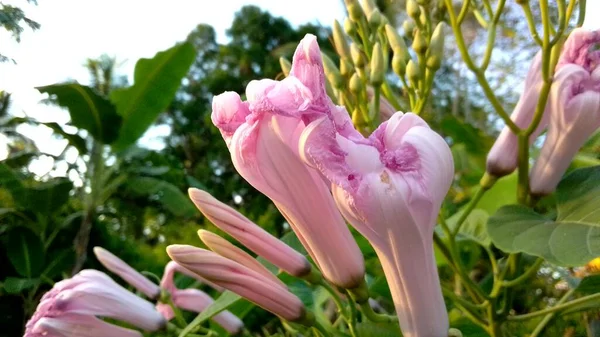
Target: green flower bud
375,19
409,28
355,12
398,64
419,44
339,39
332,72
346,67
368,6
423,2
377,65
413,73
286,66
436,48
423,18
358,57
349,27
356,85
412,9
357,118
397,42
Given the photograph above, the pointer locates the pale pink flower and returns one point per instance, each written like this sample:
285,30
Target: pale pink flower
239,279
226,249
250,234
173,267
390,187
75,325
91,294
127,273
262,135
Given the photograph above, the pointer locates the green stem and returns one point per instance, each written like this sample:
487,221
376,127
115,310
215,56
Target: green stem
375,317
542,324
468,309
375,120
352,321
557,308
581,18
531,22
523,187
470,207
321,329
527,274
492,35
335,296
178,316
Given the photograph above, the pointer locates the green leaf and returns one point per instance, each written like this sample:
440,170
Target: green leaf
25,251
474,226
20,159
504,192
371,329
48,197
166,193
292,240
14,285
226,299
10,182
589,285
88,110
75,140
156,82
572,239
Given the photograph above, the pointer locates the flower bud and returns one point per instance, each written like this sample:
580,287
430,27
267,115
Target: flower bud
332,72
358,57
412,9
355,12
285,65
346,67
436,48
398,65
409,28
356,85
349,27
377,65
413,72
397,43
339,39
357,118
375,19
419,44
369,6
226,249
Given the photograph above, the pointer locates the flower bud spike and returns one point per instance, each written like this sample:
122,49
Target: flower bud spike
436,48
378,66
339,40
419,44
332,72
358,57
412,9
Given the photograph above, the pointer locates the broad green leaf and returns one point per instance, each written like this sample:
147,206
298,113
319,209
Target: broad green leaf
292,240
48,197
156,81
589,285
166,193
25,251
20,159
572,239
88,110
504,192
10,182
371,329
14,285
474,226
75,140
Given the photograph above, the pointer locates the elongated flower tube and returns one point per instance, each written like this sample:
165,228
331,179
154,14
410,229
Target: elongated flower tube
74,325
241,280
262,135
195,300
127,273
390,187
250,234
172,267
226,249
574,117
87,295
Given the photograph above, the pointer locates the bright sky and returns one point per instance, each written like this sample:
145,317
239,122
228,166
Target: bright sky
73,30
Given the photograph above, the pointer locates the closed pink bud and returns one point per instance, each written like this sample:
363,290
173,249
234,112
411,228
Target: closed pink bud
574,116
390,187
262,135
74,325
226,249
172,267
91,293
250,234
255,287
127,273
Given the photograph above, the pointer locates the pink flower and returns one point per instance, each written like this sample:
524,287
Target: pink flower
167,281
226,249
502,158
574,116
390,187
250,234
127,273
87,295
239,279
74,325
195,300
262,135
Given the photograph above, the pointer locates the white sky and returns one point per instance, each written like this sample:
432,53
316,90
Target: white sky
74,30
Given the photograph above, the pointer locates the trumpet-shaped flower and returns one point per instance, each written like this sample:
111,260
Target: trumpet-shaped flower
250,234
74,325
127,273
226,249
262,135
390,187
255,287
87,295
